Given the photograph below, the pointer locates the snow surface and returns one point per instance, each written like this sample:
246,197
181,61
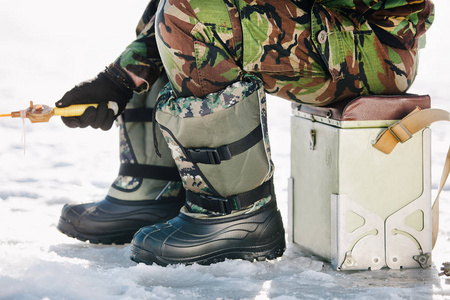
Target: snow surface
48,46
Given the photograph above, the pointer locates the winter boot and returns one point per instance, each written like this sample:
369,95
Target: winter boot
221,147
148,189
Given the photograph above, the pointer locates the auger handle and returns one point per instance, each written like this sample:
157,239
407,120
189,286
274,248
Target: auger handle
78,109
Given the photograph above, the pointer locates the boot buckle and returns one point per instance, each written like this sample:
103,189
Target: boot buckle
211,156
224,205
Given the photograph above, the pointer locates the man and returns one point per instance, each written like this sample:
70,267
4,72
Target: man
220,56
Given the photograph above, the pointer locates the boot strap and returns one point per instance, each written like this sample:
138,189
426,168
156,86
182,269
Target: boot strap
150,171
145,171
214,156
138,115
236,202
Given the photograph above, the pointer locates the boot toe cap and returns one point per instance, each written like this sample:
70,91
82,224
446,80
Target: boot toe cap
72,213
153,237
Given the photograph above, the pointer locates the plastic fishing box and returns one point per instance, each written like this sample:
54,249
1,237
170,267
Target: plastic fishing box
350,203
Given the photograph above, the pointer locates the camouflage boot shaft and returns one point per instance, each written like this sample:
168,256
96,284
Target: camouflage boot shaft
220,144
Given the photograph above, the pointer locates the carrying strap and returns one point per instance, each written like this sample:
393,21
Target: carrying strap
236,202
150,172
215,156
403,130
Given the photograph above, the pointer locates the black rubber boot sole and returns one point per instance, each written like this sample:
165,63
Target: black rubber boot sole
184,240
114,221
140,255
118,238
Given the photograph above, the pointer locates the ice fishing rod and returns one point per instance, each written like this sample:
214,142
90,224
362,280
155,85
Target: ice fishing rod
42,113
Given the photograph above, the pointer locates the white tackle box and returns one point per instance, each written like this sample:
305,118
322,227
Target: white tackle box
350,203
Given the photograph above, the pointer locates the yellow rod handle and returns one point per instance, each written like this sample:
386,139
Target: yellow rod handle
78,109
73,110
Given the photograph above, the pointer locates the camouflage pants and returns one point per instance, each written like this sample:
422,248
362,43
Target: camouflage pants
304,52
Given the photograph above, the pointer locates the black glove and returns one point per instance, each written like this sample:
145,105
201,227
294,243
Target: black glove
113,84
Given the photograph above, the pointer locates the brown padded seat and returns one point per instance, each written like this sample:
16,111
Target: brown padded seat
367,108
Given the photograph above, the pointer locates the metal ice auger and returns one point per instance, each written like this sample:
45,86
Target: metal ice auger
43,113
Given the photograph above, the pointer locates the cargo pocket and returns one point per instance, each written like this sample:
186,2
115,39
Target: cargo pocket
214,60
348,47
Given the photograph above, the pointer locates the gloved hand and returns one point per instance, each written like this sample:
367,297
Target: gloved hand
113,84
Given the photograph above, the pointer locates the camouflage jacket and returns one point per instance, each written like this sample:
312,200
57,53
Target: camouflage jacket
397,23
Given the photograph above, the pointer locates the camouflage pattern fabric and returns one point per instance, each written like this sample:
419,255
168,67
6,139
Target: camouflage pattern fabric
141,57
126,183
194,107
312,52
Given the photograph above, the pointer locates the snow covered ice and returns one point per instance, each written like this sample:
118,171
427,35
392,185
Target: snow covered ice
49,46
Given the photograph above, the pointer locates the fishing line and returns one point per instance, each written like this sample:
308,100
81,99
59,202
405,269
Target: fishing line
23,115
